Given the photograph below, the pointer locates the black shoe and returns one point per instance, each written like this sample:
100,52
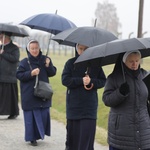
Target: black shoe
34,143
12,117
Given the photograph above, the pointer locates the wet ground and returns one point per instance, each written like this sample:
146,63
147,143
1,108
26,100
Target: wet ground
12,136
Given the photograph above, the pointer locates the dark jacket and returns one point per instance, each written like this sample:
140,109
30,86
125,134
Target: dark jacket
129,122
81,103
8,63
27,82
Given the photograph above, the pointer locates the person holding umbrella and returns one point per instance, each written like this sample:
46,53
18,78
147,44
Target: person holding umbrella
126,94
36,110
9,58
81,102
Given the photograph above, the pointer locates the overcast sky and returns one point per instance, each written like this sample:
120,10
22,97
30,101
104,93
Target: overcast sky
81,12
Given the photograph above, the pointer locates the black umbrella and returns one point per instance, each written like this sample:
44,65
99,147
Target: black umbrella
13,29
108,53
88,36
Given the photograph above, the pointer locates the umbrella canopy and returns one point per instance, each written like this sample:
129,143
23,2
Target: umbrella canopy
51,23
108,53
88,36
13,29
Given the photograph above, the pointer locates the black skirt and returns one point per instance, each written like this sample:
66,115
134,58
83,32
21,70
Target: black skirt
80,134
9,99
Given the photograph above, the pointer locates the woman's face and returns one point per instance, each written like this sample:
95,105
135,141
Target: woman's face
34,49
81,49
133,61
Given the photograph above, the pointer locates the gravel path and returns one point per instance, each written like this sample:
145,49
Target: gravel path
12,136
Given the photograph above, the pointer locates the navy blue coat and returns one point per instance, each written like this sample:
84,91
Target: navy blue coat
81,103
27,82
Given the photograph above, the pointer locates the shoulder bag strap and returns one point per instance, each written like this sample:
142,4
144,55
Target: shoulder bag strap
36,81
29,63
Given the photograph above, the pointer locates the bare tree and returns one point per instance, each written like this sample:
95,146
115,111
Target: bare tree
106,17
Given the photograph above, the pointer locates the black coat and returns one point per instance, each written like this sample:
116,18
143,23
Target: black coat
129,121
81,103
27,82
8,63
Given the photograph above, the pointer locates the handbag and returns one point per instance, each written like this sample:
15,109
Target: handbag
43,90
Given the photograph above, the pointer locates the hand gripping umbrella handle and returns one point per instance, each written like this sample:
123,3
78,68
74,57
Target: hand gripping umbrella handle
89,87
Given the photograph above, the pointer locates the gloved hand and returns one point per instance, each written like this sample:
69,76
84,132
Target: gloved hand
124,88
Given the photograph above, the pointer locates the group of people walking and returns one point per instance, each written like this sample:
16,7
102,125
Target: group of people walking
124,92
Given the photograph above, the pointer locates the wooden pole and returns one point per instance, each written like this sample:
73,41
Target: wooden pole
140,20
95,22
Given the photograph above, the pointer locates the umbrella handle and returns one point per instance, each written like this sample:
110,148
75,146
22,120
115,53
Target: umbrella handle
3,42
48,44
124,78
89,87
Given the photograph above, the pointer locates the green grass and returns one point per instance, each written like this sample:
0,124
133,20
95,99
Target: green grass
58,110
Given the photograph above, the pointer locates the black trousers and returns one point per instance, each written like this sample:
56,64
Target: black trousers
80,134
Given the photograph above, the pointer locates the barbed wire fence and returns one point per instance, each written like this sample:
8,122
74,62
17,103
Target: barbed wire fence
43,39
